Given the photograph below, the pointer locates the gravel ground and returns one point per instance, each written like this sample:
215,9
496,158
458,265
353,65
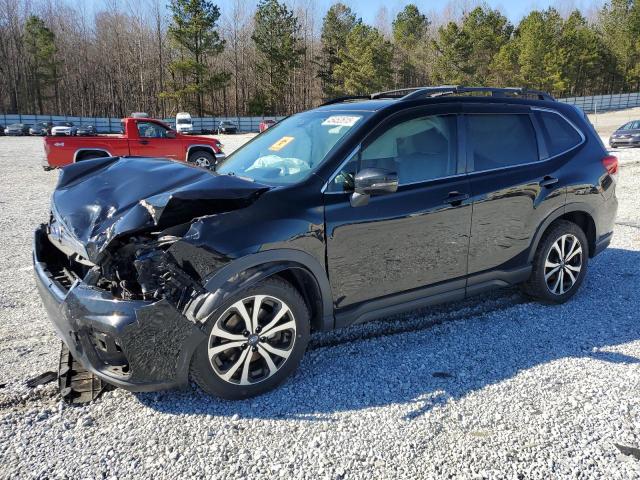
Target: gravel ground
494,387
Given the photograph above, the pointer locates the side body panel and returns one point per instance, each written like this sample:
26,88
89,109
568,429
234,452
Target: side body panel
402,241
509,203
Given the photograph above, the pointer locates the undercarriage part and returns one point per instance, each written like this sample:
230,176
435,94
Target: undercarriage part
77,384
42,379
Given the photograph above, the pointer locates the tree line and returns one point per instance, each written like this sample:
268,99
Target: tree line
276,58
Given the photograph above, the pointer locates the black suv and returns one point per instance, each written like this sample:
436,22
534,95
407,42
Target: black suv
154,271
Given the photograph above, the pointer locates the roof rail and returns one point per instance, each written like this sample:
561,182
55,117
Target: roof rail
442,90
346,98
422,92
388,94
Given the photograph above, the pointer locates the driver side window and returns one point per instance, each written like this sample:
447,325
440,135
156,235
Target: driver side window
418,149
151,130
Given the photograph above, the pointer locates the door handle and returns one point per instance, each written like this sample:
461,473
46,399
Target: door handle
456,198
547,181
144,142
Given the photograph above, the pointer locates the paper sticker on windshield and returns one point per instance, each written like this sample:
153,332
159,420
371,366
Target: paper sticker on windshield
280,144
341,121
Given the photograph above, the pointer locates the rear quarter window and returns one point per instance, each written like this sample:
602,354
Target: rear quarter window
558,134
500,140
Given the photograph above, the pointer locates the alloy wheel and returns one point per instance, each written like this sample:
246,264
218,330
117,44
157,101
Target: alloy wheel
202,162
563,264
252,340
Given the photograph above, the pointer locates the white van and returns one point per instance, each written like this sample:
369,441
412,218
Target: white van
184,124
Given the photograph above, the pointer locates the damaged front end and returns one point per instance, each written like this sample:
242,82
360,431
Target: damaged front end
117,277
143,268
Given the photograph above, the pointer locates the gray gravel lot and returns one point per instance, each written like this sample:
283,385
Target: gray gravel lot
494,387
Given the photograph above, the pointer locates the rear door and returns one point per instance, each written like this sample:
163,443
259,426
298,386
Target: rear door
154,141
513,182
415,237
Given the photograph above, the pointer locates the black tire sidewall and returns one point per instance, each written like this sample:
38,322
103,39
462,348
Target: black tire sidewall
201,370
537,286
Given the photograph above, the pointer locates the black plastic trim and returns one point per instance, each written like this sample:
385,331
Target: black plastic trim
228,280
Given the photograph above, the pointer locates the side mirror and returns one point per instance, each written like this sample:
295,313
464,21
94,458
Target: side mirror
171,134
373,181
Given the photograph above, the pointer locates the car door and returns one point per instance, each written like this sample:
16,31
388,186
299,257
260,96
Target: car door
414,237
155,141
514,187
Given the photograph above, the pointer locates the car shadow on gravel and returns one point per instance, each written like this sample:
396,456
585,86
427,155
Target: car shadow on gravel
419,370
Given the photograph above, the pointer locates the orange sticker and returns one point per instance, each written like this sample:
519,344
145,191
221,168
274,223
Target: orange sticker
280,144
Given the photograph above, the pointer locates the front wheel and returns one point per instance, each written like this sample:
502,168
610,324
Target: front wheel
560,263
202,159
255,343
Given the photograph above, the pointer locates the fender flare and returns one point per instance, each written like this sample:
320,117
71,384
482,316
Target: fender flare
198,146
554,215
90,149
247,271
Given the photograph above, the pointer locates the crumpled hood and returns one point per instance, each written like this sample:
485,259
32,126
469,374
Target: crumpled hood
99,200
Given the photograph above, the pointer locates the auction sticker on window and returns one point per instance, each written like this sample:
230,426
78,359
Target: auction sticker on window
341,121
280,144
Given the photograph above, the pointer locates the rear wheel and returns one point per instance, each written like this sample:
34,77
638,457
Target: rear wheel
255,343
202,159
560,263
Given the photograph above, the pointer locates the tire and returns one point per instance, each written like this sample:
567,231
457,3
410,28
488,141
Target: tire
202,159
248,346
549,262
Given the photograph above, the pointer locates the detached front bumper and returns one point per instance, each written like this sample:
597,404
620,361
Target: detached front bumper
136,345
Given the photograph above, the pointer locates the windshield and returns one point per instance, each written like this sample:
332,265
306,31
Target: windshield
184,121
290,150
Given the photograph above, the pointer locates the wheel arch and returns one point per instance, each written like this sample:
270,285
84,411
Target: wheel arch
299,268
579,213
191,149
81,153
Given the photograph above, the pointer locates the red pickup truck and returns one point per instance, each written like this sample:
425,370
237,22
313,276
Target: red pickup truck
142,137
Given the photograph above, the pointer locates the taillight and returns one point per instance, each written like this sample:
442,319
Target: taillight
610,163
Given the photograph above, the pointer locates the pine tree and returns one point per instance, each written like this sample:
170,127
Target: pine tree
277,38
465,52
410,29
336,26
194,32
365,62
40,45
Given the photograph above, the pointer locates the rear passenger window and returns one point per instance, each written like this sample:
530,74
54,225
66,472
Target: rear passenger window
500,140
558,134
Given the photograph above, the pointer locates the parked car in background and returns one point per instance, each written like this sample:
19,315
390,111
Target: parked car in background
142,137
355,210
41,129
266,124
1,130
627,135
184,123
64,128
86,131
17,129
227,127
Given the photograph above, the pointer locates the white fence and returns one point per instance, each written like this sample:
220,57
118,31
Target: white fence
603,103
112,125
600,103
